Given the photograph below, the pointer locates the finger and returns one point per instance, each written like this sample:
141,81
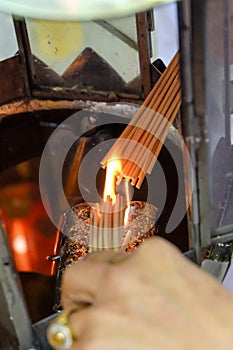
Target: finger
80,326
103,328
83,280
78,322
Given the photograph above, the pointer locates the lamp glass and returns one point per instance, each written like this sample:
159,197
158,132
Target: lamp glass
76,9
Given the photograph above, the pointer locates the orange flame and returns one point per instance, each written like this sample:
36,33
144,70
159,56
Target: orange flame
112,170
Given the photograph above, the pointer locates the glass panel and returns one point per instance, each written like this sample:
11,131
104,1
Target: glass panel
97,55
8,42
165,40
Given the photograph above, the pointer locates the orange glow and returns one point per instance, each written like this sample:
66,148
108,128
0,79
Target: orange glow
112,170
19,246
30,235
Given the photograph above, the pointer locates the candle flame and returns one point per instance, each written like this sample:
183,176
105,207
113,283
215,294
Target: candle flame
112,170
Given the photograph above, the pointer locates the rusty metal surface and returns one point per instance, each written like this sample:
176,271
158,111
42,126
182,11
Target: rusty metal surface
85,95
144,49
12,86
25,55
89,70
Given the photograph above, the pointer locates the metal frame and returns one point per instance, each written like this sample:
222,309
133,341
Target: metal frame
194,43
14,315
33,89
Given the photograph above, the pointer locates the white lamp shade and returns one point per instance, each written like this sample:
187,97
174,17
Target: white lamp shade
76,9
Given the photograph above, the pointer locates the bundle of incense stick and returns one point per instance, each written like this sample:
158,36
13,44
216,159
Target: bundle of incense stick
107,224
140,143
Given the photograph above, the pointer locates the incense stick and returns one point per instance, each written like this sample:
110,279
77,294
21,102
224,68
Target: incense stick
107,224
140,143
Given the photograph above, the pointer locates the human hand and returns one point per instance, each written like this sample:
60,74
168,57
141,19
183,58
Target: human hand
153,298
